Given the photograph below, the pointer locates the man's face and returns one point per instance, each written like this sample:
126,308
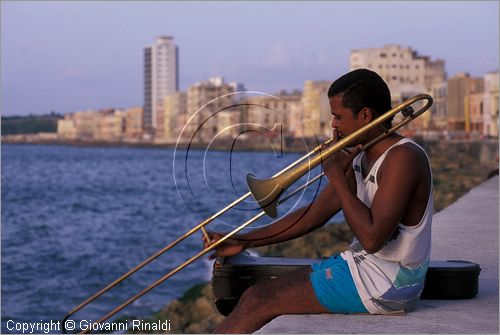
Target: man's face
343,120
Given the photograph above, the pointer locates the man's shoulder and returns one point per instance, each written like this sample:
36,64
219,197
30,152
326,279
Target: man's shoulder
409,156
408,150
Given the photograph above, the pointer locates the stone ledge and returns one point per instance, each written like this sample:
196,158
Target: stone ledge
467,230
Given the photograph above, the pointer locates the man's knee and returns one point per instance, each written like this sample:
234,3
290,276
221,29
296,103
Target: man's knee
253,295
257,304
258,300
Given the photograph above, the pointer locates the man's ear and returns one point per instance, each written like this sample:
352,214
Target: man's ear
366,115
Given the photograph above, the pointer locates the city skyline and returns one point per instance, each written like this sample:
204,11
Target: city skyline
96,60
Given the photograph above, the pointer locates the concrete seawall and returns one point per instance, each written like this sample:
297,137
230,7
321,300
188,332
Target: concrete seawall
466,230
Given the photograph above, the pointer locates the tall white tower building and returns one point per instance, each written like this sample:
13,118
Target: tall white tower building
161,78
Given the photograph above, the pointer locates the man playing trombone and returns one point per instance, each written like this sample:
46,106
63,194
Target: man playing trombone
385,192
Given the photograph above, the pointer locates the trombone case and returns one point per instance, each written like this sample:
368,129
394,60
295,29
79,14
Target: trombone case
452,279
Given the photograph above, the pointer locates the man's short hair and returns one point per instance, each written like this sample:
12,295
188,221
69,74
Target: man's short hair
363,88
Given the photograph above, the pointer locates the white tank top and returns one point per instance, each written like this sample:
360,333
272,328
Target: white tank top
392,278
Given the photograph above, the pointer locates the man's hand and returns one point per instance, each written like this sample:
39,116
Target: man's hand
229,247
339,164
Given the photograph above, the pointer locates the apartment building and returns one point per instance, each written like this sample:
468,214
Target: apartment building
439,109
66,128
175,116
204,101
133,123
460,88
405,71
111,126
295,113
316,116
161,78
490,101
228,124
272,114
474,113
87,124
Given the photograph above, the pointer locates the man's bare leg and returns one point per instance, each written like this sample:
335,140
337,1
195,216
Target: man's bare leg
262,302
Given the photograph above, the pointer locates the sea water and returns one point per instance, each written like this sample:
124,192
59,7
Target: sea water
76,218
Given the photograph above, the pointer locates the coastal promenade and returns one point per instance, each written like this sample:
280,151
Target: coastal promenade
466,230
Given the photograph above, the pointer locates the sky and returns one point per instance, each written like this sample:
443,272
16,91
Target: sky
66,56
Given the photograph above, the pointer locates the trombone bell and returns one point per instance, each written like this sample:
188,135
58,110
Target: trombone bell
266,192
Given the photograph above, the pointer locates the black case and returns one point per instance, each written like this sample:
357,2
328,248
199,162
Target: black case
452,279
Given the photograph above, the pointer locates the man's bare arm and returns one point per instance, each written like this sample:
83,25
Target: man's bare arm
298,223
294,225
399,175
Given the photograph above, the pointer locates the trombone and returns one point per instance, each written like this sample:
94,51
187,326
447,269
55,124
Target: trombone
267,192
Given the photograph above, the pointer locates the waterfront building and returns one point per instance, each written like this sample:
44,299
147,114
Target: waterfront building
271,114
112,125
87,124
258,117
460,88
474,113
290,105
405,71
316,117
161,78
133,123
294,114
490,101
438,112
174,116
228,124
46,137
204,101
66,128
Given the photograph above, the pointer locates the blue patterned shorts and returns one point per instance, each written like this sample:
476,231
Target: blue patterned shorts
334,287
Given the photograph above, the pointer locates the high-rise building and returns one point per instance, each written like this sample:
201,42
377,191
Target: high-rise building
161,78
